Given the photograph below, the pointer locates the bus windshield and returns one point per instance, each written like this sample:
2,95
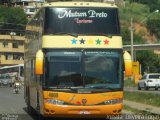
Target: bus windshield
82,21
87,69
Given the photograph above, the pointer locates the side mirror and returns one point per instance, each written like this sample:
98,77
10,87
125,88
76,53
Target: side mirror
127,63
39,62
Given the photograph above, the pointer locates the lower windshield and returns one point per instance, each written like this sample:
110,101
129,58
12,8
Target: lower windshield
100,69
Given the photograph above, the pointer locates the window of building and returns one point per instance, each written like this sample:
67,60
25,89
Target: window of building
15,44
5,44
15,57
18,56
32,9
21,43
8,57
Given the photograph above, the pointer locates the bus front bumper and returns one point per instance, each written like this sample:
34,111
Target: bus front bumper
99,111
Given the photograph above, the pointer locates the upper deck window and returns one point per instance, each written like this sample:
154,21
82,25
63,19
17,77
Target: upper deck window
82,21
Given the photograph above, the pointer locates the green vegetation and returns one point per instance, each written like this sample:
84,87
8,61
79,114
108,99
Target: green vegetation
149,61
153,4
132,110
12,18
129,83
142,12
153,24
136,11
137,112
147,28
146,98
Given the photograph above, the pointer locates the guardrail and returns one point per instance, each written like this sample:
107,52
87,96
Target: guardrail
142,47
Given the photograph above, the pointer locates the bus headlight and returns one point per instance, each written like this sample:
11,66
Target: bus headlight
113,101
53,101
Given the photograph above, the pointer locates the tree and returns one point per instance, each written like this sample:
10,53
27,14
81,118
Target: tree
5,2
125,35
125,32
150,62
12,18
154,24
153,4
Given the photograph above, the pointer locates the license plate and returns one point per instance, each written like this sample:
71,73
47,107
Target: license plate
84,112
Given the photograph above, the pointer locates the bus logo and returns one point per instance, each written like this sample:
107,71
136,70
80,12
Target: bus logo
84,101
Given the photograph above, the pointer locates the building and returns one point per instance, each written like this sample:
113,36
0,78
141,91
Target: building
12,43
117,2
30,6
11,49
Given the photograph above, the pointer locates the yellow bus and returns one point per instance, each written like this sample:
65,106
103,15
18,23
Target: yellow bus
74,60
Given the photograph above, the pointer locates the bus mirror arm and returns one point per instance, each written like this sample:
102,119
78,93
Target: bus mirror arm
39,62
127,63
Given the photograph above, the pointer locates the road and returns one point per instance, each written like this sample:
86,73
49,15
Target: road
13,107
134,89
10,101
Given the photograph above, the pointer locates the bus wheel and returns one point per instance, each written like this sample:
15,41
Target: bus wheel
40,117
29,108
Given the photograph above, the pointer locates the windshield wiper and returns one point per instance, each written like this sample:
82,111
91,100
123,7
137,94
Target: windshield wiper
65,33
70,88
100,87
73,89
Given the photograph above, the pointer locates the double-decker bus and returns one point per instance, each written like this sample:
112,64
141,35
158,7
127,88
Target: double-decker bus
74,60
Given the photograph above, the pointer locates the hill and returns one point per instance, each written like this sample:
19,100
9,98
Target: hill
140,14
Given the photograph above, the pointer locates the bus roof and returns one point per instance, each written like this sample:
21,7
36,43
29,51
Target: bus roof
78,4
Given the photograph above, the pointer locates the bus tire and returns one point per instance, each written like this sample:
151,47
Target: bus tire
40,117
29,109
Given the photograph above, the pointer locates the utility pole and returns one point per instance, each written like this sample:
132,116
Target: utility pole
132,30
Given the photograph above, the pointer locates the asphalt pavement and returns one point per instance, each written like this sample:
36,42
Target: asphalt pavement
134,89
11,102
13,107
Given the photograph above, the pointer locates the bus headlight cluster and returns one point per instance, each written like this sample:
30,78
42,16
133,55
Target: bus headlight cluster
53,101
113,101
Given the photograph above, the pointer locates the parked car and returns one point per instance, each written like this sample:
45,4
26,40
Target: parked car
5,81
150,80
